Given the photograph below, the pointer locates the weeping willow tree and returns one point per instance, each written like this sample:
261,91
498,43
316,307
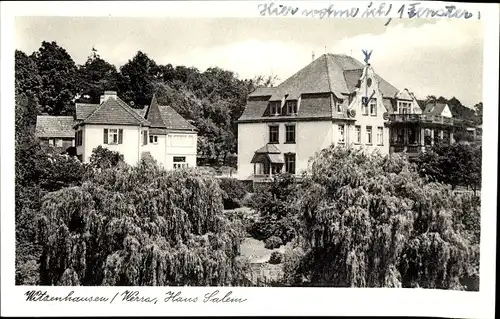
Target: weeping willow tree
139,226
371,221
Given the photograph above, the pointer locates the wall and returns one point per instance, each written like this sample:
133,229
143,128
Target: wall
369,120
158,151
447,112
310,137
93,137
186,148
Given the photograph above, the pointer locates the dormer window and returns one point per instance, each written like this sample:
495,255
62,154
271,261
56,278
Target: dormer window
275,108
404,107
291,107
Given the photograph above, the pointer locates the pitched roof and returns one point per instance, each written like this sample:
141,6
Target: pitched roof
434,109
330,73
115,111
141,112
404,95
54,126
262,91
83,110
164,116
268,149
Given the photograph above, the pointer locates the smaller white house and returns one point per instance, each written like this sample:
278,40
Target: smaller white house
158,130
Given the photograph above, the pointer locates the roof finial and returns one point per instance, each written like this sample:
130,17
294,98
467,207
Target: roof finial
367,56
313,56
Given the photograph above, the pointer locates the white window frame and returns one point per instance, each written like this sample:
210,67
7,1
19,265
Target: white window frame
112,132
153,139
380,135
357,131
373,107
292,106
369,135
275,108
341,131
179,164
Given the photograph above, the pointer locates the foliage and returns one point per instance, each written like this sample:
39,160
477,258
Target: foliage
57,72
458,110
275,204
454,164
95,77
276,258
371,221
273,242
233,192
103,158
139,225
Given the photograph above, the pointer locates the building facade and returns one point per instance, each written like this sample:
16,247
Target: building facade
335,100
113,124
55,131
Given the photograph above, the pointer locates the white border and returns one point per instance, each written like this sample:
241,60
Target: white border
260,301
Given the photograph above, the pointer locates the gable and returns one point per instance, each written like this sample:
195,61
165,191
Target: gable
115,111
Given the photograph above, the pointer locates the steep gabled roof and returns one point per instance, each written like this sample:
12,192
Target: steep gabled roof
163,116
434,109
54,126
83,110
115,111
330,73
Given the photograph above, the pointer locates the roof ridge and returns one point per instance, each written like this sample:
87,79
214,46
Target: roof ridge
127,108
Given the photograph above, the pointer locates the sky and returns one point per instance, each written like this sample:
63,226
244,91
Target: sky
429,57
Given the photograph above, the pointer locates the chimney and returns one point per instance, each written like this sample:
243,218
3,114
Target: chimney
107,95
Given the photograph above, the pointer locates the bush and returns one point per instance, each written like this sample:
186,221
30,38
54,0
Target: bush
276,204
234,191
273,242
139,226
371,221
275,258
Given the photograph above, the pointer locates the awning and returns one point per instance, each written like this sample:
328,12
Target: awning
268,153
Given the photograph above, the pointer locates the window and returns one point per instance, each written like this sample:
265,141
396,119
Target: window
364,106
358,134
290,163
291,107
290,133
274,134
275,108
369,135
180,162
404,107
113,136
341,133
380,135
412,136
59,142
153,139
51,142
373,107
79,138
144,137
339,105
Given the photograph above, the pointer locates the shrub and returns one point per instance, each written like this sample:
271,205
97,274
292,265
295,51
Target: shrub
234,191
276,204
371,221
139,226
273,242
275,258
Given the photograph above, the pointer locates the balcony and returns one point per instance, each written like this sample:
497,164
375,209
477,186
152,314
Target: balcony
411,150
424,118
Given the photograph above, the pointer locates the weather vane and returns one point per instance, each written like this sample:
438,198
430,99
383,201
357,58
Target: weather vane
367,55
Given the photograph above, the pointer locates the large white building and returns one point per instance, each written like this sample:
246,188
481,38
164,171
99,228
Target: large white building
335,100
156,129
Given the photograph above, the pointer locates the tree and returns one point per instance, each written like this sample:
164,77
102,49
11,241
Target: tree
139,226
27,78
95,77
455,164
479,112
137,79
57,71
369,220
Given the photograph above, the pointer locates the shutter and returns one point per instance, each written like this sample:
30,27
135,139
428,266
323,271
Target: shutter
105,137
145,137
120,136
